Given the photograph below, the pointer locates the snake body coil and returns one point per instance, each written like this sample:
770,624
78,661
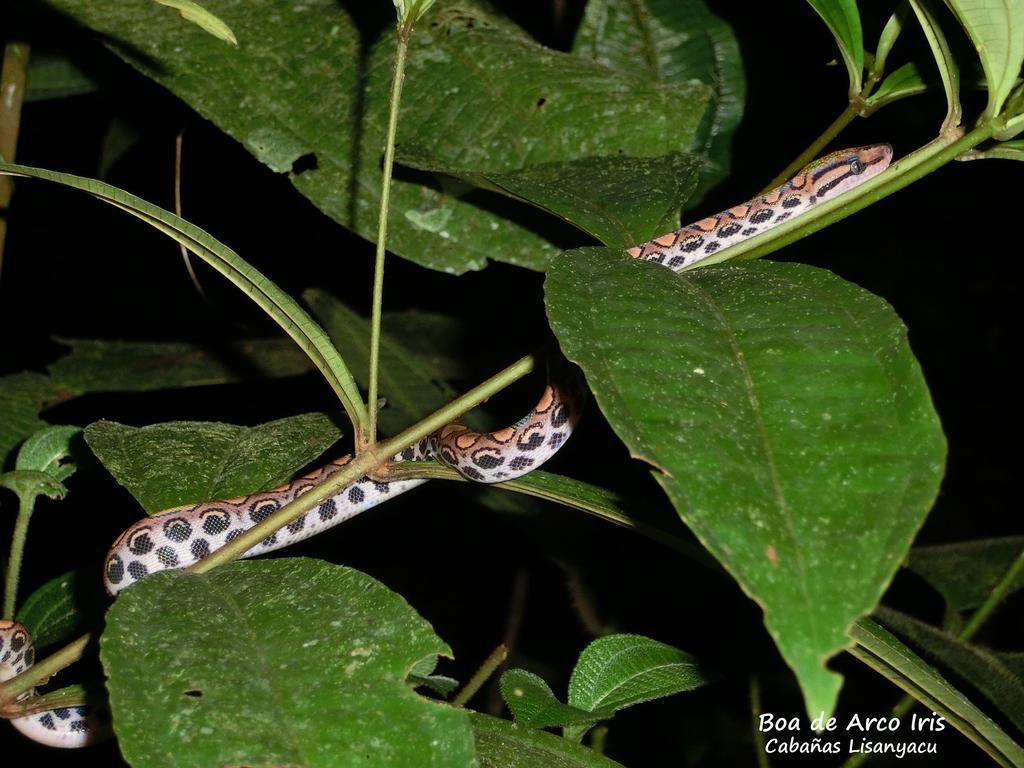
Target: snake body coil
184,535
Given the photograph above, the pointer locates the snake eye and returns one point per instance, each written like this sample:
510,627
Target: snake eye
856,167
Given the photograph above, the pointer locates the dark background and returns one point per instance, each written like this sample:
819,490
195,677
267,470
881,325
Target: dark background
545,580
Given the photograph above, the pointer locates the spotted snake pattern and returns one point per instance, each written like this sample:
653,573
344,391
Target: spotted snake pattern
184,535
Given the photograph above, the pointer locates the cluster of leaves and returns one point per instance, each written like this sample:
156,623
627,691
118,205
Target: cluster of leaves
780,407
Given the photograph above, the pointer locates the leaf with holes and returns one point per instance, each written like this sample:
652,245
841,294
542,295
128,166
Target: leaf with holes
787,419
164,465
279,662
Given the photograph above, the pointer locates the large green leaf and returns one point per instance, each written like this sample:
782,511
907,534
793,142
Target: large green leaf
672,42
501,744
619,200
996,27
788,418
63,607
164,465
279,662
479,93
100,365
843,20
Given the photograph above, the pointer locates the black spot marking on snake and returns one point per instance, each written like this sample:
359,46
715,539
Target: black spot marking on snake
520,462
137,570
791,202
297,525
711,247
677,261
261,510
177,529
691,244
232,535
530,442
487,458
760,217
729,229
471,473
200,548
46,720
78,726
749,231
115,569
560,416
382,488
140,544
328,510
62,712
216,521
356,495
167,557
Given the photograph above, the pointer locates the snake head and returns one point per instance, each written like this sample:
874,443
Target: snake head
833,174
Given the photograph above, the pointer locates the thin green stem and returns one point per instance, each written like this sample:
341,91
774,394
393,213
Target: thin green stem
999,591
382,235
369,460
481,676
17,553
755,715
845,118
12,86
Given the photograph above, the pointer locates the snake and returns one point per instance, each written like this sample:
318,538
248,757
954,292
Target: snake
182,536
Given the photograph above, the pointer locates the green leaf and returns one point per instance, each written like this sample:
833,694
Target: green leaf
949,72
996,27
888,656
533,705
618,671
843,20
97,365
672,42
276,662
501,744
284,310
788,418
479,92
902,82
178,462
980,667
63,608
411,11
22,397
46,449
202,18
55,75
965,572
30,483
619,200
